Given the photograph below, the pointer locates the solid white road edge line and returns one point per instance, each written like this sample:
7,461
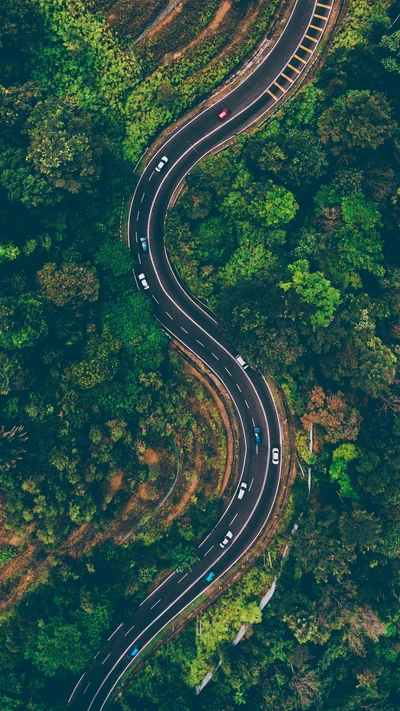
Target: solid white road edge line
76,685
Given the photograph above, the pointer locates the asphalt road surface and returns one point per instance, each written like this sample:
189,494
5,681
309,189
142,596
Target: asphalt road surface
184,318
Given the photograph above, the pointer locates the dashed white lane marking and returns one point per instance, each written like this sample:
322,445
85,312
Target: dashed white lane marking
87,688
151,175
139,258
239,388
254,424
234,518
96,655
104,660
179,581
256,448
200,343
136,237
184,330
156,300
215,356
136,281
164,581
142,197
251,483
228,371
116,630
169,315
247,405
137,216
156,603
130,630
210,549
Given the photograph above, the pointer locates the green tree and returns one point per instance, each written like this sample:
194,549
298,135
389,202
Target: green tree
71,284
391,43
12,447
22,321
358,119
114,257
313,289
341,458
62,146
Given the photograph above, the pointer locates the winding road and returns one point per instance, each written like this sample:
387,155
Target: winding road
185,319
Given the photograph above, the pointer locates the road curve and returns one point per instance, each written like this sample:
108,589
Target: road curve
184,318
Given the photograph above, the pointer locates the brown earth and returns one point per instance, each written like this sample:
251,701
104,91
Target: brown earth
182,505
210,29
165,21
151,457
26,572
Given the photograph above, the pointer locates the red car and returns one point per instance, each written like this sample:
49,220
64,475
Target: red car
224,113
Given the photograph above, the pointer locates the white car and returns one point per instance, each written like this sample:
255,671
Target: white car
242,490
275,455
160,165
242,362
226,540
143,281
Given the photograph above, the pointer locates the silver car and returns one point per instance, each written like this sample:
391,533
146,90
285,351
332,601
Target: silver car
226,540
242,362
242,490
143,281
160,165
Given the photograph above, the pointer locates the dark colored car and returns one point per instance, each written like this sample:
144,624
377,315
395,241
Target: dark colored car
224,113
133,652
209,577
144,245
257,435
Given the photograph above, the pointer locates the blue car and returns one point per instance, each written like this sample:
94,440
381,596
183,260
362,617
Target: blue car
133,652
144,245
209,577
257,435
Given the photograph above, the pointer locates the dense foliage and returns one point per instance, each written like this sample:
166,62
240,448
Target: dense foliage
292,235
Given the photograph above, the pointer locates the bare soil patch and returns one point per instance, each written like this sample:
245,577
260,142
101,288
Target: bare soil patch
210,29
151,457
182,505
176,11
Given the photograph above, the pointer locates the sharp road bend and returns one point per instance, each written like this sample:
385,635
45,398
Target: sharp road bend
186,319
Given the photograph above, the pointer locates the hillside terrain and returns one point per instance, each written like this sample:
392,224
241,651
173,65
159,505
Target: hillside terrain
113,451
